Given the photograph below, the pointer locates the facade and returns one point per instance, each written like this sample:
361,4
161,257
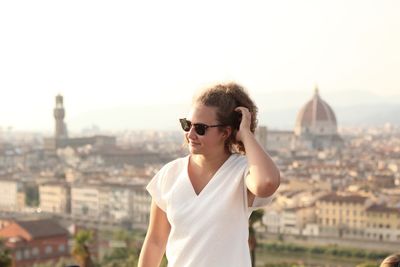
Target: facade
289,221
85,201
55,197
36,241
296,220
342,216
382,180
141,206
272,221
279,140
261,135
382,223
12,196
113,202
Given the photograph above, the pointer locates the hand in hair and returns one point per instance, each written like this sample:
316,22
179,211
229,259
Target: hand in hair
244,129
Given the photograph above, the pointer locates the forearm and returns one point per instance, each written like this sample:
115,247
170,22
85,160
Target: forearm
264,177
156,238
151,254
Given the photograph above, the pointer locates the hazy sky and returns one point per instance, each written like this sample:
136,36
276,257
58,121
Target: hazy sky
105,54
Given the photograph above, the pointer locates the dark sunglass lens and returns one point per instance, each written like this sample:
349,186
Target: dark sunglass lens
185,125
200,129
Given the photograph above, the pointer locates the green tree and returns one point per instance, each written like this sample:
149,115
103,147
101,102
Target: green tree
32,195
368,264
125,252
256,216
5,255
80,250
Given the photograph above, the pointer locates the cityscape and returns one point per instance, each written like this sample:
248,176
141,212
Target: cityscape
91,93
339,193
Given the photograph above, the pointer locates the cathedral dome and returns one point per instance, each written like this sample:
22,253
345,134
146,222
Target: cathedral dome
316,118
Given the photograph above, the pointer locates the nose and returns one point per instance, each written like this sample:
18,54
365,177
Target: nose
192,133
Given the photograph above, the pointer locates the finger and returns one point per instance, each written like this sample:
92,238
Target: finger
241,109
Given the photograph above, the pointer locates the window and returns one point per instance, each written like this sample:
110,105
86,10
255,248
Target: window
61,248
49,249
18,255
35,251
27,253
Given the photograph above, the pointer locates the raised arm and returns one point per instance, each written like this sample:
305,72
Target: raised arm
264,177
156,238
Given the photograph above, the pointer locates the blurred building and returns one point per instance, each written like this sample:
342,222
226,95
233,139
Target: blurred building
61,139
111,202
383,223
55,197
12,195
316,126
315,129
342,216
60,130
35,241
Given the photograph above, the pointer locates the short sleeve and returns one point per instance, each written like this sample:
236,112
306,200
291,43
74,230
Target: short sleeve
259,202
156,188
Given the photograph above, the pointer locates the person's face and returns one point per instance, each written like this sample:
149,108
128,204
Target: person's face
213,139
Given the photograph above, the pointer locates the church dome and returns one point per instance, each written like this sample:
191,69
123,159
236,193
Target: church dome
316,117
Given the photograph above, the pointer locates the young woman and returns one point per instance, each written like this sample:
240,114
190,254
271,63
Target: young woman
201,203
392,260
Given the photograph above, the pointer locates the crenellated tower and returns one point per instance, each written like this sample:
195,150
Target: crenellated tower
59,114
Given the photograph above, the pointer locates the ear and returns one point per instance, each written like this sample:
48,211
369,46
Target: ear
227,132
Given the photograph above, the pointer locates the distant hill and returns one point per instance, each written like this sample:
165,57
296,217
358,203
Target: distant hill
358,115
165,117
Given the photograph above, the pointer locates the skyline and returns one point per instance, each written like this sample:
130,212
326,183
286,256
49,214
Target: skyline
103,56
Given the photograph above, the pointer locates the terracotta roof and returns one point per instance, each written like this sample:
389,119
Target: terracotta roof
315,110
42,228
382,208
343,199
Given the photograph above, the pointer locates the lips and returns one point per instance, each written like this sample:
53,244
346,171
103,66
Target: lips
194,144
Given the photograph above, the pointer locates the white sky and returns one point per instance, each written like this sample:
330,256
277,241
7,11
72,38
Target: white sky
101,54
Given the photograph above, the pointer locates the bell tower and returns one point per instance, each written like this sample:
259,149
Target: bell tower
59,114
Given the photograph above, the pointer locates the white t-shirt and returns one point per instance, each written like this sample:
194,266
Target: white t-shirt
209,229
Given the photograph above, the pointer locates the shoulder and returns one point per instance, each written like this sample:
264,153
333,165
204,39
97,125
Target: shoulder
237,163
239,159
174,167
168,174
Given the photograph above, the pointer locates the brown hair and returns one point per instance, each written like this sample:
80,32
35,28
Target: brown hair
226,97
391,261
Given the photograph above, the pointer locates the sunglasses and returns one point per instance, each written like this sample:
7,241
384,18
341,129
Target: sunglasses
199,128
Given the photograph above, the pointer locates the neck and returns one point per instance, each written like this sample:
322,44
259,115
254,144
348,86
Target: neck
209,162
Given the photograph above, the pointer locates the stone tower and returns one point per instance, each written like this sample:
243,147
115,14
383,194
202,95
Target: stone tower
59,114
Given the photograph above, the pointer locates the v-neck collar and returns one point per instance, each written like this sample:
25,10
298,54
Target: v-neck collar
209,182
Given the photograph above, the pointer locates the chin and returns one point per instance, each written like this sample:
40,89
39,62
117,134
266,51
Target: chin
194,151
